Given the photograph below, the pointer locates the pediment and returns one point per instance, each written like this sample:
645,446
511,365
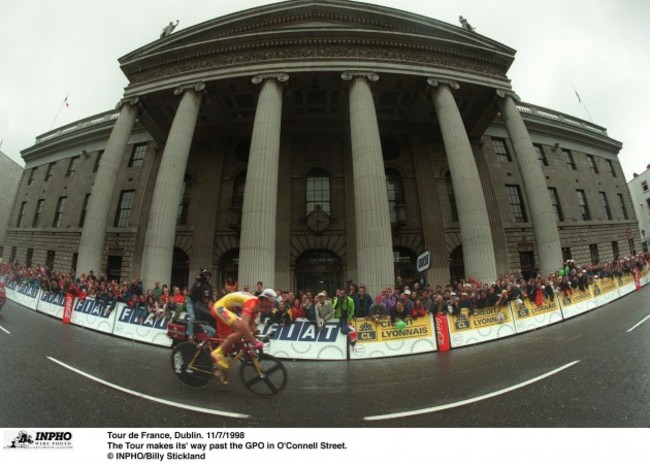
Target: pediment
311,19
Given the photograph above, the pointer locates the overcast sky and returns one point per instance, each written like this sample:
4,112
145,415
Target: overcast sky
50,50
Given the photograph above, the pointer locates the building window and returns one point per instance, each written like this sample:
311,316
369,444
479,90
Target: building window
21,213
72,167
114,268
516,204
605,202
124,209
29,257
568,159
644,186
452,198
318,191
555,201
610,165
12,258
48,173
593,251
647,201
58,215
49,260
37,213
404,262
592,164
84,209
32,173
184,206
501,150
621,202
137,155
584,207
541,156
98,160
566,254
615,250
395,193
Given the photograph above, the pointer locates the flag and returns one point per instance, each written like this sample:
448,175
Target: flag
577,95
67,104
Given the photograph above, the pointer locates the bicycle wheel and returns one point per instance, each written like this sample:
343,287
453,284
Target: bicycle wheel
200,373
268,383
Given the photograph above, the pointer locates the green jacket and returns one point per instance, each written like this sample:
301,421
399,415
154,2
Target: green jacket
345,304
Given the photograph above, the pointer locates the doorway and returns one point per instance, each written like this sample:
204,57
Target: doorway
318,270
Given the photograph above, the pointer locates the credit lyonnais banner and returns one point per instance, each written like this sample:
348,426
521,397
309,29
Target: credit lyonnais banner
483,325
384,339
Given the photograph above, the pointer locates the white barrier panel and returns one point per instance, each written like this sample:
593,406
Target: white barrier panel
383,339
301,340
604,291
51,303
24,294
484,325
152,330
92,314
577,302
529,316
645,277
626,284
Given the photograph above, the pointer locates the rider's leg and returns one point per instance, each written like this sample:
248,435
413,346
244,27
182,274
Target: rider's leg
219,354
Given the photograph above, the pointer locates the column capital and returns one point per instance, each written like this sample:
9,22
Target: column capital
503,93
281,77
195,86
369,75
127,101
435,82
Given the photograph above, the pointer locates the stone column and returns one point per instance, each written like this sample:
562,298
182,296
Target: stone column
375,266
478,249
542,215
259,212
93,234
161,230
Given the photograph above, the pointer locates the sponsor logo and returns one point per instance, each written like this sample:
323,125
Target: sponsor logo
28,290
128,315
53,298
304,331
37,440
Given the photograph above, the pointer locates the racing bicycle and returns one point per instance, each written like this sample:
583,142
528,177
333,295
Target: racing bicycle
261,373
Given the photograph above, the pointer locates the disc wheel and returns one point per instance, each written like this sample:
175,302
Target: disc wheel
272,379
200,373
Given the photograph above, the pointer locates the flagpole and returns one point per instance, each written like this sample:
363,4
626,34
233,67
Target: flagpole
57,113
583,104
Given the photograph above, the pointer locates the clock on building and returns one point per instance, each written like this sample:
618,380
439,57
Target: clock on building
318,221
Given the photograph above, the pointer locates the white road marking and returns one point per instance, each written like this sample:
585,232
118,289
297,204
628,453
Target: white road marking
468,401
638,324
151,398
4,330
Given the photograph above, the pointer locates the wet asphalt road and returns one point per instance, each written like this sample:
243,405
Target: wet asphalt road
609,386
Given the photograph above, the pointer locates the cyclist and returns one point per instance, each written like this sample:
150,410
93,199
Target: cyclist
226,311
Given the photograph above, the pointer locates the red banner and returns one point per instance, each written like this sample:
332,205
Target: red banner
637,278
442,332
67,308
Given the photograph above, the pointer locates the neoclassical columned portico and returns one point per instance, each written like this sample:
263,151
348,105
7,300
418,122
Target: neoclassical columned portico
161,229
372,221
476,236
93,235
547,236
259,211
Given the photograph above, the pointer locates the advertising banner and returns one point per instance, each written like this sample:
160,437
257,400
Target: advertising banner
67,308
302,340
383,339
23,294
152,330
529,316
645,277
577,302
94,314
442,332
604,290
626,284
484,325
51,303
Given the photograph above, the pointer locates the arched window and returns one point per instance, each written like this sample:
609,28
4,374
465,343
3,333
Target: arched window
456,264
318,270
184,206
395,192
229,265
317,191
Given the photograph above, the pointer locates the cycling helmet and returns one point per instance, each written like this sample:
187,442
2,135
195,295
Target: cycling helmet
269,294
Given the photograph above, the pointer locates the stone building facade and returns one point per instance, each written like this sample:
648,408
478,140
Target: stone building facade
10,173
307,142
640,191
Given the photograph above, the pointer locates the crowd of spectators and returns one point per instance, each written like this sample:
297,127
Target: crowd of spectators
399,302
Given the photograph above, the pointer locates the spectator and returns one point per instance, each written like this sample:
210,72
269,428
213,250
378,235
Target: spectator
378,309
324,310
362,302
344,310
418,309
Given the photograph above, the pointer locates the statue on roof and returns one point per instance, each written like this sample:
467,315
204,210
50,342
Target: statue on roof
167,30
465,24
